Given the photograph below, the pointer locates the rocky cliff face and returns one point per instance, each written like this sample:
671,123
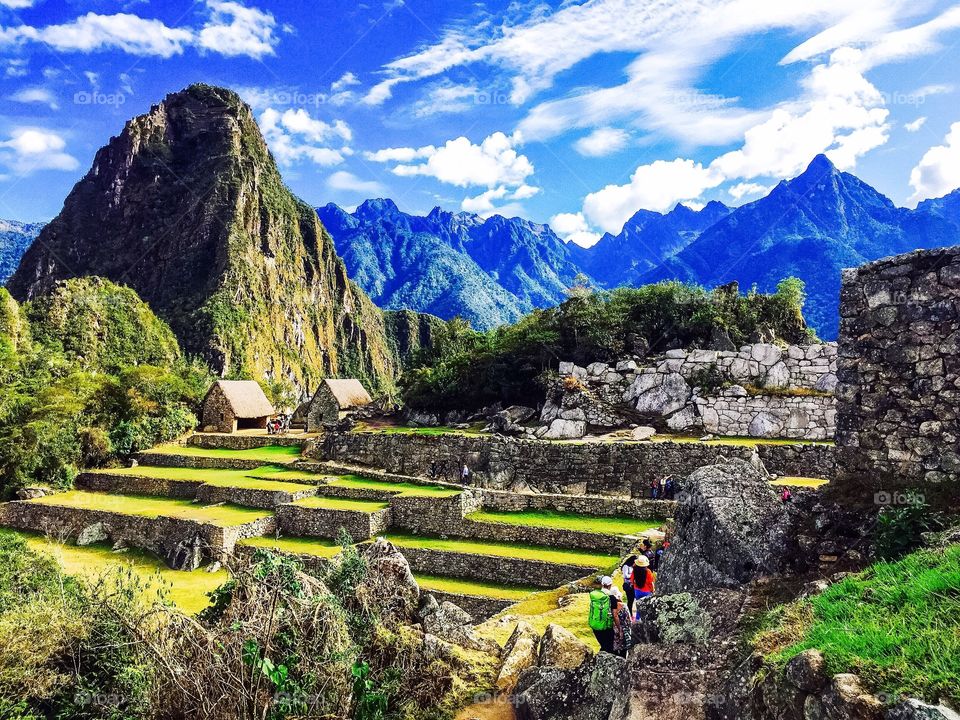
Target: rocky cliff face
187,207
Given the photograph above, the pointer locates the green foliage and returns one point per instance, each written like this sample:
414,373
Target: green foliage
92,375
466,369
900,527
897,625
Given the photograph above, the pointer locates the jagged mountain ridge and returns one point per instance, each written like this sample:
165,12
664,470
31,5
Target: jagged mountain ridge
187,207
489,272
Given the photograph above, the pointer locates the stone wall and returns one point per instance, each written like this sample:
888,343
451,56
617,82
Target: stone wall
132,484
771,392
800,460
250,497
191,461
621,469
898,423
299,520
479,607
241,442
582,504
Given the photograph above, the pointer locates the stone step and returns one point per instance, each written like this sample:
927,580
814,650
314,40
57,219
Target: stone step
242,441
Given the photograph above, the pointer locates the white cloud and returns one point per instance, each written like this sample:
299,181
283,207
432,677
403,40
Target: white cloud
37,95
447,98
17,4
573,227
914,125
602,141
234,29
938,171
343,180
746,189
657,186
400,154
461,163
29,149
348,79
294,135
231,30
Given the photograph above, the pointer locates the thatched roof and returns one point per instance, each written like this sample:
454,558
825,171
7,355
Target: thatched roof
246,398
348,392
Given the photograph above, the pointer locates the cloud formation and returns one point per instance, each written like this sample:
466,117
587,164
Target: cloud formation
938,171
29,149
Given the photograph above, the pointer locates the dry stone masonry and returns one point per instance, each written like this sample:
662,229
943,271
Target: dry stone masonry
899,370
761,390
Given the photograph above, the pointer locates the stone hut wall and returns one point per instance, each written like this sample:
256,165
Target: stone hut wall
323,411
217,412
898,421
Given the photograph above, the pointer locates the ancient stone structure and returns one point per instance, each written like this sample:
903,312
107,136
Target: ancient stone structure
899,378
235,404
622,469
333,400
761,390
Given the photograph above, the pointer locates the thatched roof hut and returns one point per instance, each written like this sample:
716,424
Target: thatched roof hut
236,404
334,399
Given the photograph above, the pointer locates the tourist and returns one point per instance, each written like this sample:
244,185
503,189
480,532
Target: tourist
654,488
670,488
465,474
627,572
663,488
622,627
606,584
658,555
644,581
648,551
600,618
786,495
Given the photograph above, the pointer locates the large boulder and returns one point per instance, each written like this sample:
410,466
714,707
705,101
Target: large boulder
560,648
597,690
519,653
388,588
912,709
659,393
561,429
731,528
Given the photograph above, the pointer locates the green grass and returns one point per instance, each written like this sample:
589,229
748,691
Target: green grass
567,521
265,478
321,547
153,507
187,590
270,453
335,503
508,550
542,609
800,482
473,587
897,625
404,489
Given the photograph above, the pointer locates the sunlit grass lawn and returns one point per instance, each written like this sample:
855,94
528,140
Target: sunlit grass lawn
269,453
567,521
897,625
266,478
473,587
335,503
153,507
542,609
187,590
800,482
321,547
508,550
400,488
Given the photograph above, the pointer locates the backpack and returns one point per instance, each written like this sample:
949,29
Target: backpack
600,616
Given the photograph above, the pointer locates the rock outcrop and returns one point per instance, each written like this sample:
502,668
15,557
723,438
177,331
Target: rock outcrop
731,528
187,207
593,691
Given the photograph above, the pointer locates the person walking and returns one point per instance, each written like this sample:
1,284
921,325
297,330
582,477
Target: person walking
627,572
600,618
622,627
644,581
654,488
647,551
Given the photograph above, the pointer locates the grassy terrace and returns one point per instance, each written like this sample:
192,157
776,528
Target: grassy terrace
616,525
803,482
472,587
265,478
267,454
320,547
400,488
508,550
334,503
153,507
186,590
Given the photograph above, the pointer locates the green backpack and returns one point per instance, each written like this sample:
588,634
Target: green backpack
600,615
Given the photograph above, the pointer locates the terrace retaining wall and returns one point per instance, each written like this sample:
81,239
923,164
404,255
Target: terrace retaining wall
251,497
298,520
480,608
131,484
581,504
156,459
570,468
242,442
493,568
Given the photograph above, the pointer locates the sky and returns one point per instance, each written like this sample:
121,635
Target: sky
573,113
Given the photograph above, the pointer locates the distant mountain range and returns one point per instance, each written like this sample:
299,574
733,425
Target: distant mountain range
15,238
492,271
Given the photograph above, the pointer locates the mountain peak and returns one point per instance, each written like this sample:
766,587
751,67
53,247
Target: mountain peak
376,207
821,165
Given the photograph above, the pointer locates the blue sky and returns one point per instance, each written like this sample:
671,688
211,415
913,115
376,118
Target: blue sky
578,113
